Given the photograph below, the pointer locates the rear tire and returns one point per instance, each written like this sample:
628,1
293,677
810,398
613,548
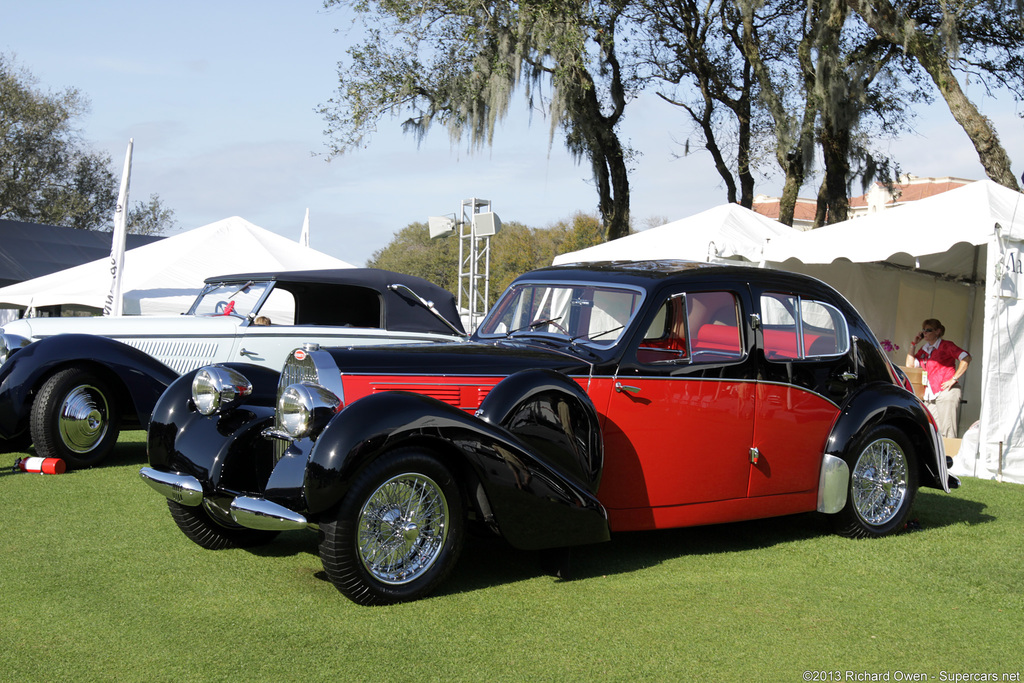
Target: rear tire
883,483
397,533
197,524
75,418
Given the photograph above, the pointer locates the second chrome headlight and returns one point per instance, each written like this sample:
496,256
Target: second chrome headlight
216,388
304,409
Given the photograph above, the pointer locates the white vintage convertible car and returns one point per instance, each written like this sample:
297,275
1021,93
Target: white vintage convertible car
68,385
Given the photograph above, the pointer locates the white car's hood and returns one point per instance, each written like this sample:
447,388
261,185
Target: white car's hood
124,326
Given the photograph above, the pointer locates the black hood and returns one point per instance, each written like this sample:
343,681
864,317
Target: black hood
457,358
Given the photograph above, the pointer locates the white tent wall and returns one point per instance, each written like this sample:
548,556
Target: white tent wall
997,450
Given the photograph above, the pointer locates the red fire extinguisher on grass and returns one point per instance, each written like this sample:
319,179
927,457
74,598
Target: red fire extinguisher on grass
41,465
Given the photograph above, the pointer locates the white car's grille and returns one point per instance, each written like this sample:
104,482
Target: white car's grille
180,356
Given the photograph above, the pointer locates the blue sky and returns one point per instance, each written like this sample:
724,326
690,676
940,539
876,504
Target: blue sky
220,98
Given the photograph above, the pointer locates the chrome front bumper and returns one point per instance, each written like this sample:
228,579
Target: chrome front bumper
180,488
252,513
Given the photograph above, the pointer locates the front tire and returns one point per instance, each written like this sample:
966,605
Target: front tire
883,483
397,533
200,528
75,417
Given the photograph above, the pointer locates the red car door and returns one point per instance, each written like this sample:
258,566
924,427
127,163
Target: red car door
679,416
803,342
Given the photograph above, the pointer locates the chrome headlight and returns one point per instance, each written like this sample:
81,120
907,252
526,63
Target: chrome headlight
9,343
305,409
216,388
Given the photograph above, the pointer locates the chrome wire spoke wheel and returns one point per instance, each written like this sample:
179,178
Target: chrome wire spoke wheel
402,528
83,419
880,482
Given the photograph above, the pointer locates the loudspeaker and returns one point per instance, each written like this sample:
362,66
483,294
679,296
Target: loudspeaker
440,226
486,224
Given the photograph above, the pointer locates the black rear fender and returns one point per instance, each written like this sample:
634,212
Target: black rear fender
884,403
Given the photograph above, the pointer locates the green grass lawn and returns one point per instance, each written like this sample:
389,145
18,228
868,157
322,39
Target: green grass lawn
98,584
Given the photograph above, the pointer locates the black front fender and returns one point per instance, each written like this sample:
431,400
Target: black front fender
141,377
536,503
223,451
554,416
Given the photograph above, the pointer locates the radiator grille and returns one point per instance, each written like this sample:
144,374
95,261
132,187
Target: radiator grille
294,372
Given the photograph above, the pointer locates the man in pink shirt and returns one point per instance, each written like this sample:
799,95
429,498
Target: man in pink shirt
945,363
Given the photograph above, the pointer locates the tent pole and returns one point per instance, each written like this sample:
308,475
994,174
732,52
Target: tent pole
999,465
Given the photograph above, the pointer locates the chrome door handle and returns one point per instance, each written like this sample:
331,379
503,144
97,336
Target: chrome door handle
620,387
244,352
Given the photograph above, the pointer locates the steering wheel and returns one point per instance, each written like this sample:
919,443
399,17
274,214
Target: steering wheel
226,308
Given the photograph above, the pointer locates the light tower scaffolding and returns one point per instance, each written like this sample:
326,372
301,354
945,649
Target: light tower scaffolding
478,223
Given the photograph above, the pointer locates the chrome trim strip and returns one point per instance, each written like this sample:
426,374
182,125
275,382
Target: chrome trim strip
281,331
258,513
833,484
181,488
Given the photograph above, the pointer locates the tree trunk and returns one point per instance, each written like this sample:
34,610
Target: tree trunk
835,147
883,18
594,135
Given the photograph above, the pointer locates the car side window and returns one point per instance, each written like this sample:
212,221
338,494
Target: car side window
665,339
279,308
713,319
695,326
794,328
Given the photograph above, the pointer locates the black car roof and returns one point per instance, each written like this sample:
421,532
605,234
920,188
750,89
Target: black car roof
367,277
401,312
651,275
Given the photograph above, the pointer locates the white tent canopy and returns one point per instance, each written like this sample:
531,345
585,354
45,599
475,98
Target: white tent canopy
956,257
726,232
164,277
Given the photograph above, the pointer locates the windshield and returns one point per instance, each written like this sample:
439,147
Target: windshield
239,299
595,314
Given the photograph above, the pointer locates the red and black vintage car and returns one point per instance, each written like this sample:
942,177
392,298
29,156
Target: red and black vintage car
592,399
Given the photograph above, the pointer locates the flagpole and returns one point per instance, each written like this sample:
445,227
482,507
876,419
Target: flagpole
304,236
115,300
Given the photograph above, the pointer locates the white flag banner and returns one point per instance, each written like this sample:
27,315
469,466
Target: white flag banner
304,236
115,300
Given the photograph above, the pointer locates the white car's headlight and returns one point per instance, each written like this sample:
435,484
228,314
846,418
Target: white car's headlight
216,388
305,409
9,343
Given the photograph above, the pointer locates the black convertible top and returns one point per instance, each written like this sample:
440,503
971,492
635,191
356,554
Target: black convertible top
400,311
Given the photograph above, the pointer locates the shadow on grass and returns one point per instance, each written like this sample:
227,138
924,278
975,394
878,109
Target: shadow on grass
488,561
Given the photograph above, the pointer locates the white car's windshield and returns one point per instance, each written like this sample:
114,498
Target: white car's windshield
238,299
588,313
